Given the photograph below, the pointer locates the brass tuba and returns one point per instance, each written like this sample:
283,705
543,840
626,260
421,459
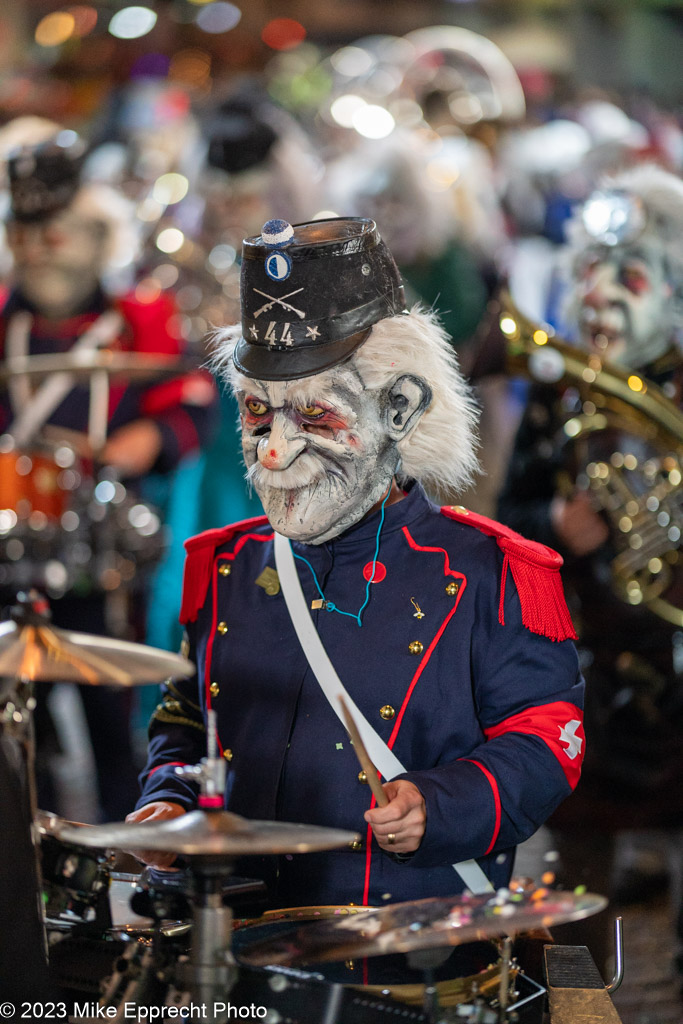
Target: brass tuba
624,444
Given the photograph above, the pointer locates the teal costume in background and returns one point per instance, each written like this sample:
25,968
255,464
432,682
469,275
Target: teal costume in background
207,490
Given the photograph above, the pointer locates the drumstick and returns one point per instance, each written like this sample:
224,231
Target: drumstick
363,758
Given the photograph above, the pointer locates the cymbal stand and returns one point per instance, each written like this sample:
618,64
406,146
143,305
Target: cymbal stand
213,969
16,721
427,960
504,984
98,412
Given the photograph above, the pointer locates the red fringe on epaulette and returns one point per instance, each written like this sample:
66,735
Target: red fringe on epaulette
196,579
541,595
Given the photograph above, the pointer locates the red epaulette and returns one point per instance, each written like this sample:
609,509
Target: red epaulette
152,324
199,561
535,569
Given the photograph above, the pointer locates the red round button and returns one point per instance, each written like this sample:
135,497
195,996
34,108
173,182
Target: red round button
380,572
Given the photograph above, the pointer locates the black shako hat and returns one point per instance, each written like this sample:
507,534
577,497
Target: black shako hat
45,178
310,295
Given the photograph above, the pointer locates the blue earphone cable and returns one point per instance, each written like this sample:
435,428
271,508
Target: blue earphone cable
329,605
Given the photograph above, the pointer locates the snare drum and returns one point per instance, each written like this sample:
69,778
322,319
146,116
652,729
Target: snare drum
125,923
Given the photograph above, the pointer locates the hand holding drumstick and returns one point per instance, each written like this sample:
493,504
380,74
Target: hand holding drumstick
399,820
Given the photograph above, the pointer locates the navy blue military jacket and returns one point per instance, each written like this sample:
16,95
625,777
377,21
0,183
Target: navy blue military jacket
484,713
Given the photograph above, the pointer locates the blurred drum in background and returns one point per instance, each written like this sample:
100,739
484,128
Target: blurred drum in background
65,529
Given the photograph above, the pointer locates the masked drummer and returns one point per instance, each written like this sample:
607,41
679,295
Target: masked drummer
65,234
625,305
448,632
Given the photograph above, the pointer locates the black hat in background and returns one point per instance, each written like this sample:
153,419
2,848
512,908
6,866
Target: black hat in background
239,133
45,178
310,295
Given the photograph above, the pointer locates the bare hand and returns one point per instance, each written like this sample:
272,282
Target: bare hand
133,449
577,524
160,810
404,818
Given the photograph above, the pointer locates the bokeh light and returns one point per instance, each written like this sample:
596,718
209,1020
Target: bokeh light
222,256
218,17
190,66
283,34
373,122
85,19
352,61
345,108
54,29
170,240
132,22
170,188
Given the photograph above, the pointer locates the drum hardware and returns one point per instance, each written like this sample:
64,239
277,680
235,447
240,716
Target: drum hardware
575,985
139,977
99,368
211,839
152,972
76,885
618,956
166,894
624,444
57,531
131,367
31,650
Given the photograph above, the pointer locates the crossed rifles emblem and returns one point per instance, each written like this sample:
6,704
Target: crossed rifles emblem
273,300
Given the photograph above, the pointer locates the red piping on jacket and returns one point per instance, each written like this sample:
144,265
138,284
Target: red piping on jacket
496,799
168,764
214,613
447,571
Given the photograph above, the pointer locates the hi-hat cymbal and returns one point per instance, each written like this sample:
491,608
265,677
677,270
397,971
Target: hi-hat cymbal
209,834
422,924
133,366
47,822
43,653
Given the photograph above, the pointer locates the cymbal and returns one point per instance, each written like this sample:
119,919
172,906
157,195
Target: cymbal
43,653
209,834
135,367
47,822
422,924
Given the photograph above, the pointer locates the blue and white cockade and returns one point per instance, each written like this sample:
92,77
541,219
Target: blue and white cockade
277,233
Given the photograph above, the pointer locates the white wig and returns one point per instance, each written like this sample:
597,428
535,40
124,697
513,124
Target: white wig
110,208
441,449
661,194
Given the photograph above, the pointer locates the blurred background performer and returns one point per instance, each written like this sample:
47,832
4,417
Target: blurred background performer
623,303
250,156
64,235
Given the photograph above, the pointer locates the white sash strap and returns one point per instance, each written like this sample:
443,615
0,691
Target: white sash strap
382,757
32,415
